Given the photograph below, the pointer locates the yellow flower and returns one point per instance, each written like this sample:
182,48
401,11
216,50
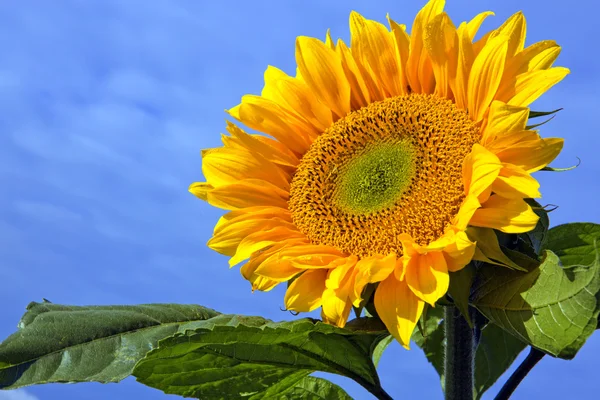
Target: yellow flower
388,161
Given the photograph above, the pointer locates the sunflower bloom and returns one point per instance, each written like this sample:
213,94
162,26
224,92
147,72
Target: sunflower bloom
389,162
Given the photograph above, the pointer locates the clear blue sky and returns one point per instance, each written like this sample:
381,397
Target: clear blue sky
105,105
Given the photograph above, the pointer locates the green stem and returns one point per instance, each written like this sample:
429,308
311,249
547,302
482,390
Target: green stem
458,363
379,393
520,373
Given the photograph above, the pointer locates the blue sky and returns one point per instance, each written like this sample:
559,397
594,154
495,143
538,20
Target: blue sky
105,105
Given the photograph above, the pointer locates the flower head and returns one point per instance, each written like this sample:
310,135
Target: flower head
388,161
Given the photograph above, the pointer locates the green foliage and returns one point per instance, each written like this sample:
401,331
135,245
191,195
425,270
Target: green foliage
551,308
380,348
231,356
58,343
311,388
576,243
537,114
200,353
537,237
430,338
460,289
495,353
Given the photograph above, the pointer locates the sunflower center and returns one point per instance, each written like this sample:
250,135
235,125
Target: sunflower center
392,167
375,178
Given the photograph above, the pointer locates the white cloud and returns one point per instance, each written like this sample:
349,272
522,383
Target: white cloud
18,394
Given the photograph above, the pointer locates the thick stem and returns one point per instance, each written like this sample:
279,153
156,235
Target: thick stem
458,363
521,372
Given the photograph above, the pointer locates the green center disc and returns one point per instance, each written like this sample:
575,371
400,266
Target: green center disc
376,178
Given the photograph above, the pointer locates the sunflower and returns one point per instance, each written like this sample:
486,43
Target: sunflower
390,161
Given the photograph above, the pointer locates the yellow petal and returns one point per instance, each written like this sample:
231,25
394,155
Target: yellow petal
418,68
441,42
248,270
480,169
465,213
515,182
536,57
460,252
359,91
227,240
515,28
465,59
486,75
225,166
504,119
339,270
248,193
277,269
398,308
338,297
373,46
402,45
268,148
306,292
336,308
200,190
428,277
258,241
310,256
488,248
328,41
321,68
474,24
296,97
531,85
508,140
480,44
506,215
372,269
245,214
266,116
532,155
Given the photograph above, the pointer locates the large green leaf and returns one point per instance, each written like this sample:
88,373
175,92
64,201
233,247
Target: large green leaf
312,388
235,357
495,353
57,343
552,308
575,243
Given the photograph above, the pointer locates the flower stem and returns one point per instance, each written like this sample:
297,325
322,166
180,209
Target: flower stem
511,384
458,363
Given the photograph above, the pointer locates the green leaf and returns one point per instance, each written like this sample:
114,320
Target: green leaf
537,237
380,348
552,308
529,127
536,114
57,343
312,388
575,243
432,339
460,289
552,169
495,353
232,357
